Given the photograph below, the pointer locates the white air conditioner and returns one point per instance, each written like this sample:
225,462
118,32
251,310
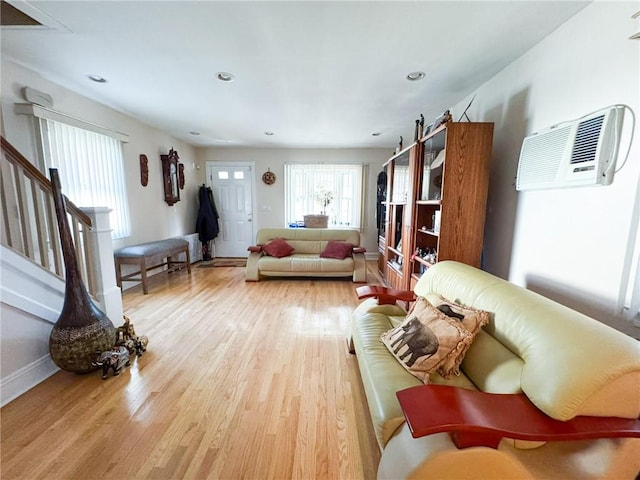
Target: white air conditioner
572,154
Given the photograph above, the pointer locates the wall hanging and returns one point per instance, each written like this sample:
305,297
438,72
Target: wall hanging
144,170
170,177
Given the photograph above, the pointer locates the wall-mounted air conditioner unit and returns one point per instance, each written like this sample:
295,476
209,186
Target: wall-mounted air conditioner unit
578,153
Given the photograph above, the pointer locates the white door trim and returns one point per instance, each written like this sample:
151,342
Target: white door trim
254,203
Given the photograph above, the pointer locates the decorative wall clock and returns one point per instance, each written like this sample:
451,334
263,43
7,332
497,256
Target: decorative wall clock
170,177
269,177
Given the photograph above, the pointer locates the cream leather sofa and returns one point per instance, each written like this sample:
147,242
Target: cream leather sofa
305,261
566,363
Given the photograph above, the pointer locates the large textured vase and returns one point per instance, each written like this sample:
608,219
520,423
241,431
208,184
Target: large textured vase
82,329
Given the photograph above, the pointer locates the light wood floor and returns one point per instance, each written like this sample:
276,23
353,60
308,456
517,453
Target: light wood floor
241,380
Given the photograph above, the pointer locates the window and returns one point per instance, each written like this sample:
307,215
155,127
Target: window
335,190
91,169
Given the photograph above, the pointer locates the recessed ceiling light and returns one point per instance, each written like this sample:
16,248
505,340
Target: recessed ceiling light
194,132
413,76
225,76
269,134
376,134
97,78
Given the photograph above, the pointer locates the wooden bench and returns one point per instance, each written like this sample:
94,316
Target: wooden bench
150,253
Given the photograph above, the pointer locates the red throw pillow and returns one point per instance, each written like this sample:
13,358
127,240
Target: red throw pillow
334,249
255,248
278,247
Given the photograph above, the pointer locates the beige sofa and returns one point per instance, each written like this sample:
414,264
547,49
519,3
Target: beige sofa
305,261
566,363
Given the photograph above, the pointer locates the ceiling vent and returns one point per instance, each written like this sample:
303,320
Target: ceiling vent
582,152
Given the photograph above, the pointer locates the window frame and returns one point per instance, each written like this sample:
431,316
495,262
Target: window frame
305,201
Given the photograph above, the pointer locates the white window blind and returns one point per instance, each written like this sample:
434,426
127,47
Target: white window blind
308,186
91,170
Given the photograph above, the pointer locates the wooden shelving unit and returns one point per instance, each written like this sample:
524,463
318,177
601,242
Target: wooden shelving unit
436,199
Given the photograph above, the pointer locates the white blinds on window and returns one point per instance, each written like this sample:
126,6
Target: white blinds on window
90,168
307,184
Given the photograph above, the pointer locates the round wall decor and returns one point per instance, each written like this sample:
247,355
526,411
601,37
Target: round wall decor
269,177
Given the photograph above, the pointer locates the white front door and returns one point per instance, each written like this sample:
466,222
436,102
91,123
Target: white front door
232,186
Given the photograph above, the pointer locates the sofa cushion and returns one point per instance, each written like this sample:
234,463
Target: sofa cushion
320,235
470,319
278,247
426,339
336,249
305,263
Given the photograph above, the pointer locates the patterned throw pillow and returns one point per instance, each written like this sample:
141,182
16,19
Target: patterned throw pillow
426,339
335,249
278,247
470,319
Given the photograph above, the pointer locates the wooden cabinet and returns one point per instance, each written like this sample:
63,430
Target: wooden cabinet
401,171
436,201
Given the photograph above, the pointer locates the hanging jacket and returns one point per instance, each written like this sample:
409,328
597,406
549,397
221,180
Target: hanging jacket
207,223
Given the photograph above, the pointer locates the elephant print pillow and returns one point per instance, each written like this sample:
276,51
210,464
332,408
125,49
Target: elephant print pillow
471,319
426,339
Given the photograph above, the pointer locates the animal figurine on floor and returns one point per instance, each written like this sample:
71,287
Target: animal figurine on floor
112,359
125,331
130,345
140,345
419,339
126,337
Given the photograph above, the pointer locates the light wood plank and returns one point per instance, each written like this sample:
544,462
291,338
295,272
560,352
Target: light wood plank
241,380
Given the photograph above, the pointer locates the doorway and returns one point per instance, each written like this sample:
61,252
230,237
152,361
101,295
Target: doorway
233,186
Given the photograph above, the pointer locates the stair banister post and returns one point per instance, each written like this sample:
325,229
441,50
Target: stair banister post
108,294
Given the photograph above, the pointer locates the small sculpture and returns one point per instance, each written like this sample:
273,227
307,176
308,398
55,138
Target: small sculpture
141,345
125,331
442,119
130,345
126,337
112,359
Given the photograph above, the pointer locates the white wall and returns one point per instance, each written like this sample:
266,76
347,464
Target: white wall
151,217
567,244
270,198
32,298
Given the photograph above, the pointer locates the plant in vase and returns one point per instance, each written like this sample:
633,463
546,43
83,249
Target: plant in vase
325,197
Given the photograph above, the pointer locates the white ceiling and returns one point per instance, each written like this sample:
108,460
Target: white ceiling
317,74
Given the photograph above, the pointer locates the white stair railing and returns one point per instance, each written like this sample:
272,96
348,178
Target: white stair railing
29,227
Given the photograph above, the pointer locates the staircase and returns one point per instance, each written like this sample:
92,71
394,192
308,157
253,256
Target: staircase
32,279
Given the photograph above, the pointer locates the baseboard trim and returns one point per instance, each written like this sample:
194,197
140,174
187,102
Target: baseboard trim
24,379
